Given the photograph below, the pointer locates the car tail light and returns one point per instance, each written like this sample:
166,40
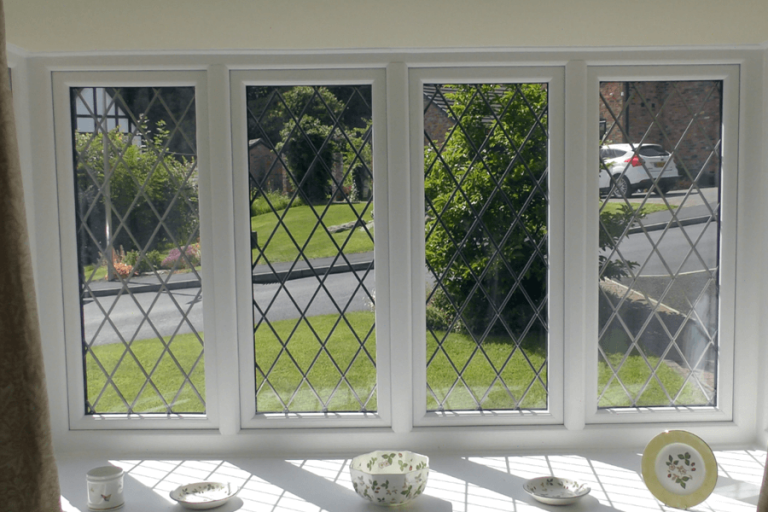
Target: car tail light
635,160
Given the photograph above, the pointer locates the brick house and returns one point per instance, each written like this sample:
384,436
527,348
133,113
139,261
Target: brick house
674,104
267,172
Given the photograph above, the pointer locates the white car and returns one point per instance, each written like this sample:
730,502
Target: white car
625,168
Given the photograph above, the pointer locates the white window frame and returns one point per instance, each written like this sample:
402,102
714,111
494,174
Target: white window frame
723,411
240,79
224,434
554,77
62,82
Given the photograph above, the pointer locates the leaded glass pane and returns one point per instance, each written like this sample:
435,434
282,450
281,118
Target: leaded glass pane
486,191
659,238
311,194
138,249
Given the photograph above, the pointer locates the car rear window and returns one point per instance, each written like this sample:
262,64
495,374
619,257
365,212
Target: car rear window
611,153
652,151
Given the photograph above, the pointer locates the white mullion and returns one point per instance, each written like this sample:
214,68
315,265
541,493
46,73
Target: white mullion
558,255
745,364
400,252
418,248
61,188
590,218
579,274
217,231
242,246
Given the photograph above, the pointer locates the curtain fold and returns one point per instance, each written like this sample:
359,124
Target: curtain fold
762,504
28,475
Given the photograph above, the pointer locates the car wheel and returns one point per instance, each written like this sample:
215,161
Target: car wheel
622,187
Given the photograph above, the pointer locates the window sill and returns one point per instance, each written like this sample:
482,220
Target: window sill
456,483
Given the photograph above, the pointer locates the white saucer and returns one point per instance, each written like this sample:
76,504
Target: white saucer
556,491
204,495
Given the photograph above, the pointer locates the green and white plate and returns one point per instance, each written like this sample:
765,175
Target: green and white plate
204,495
679,469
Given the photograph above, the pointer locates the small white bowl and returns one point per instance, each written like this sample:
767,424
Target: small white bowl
389,477
556,491
203,495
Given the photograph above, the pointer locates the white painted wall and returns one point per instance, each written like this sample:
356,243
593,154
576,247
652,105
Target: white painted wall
92,25
183,26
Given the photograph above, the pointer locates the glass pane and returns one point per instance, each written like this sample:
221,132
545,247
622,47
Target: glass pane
139,249
659,243
486,175
311,192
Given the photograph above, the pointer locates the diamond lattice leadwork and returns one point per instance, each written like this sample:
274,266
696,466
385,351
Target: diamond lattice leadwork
138,249
486,178
311,185
659,243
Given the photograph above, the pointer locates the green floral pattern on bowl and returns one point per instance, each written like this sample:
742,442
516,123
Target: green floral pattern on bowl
556,491
204,495
389,477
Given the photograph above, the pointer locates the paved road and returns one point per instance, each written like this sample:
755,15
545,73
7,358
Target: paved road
166,318
672,252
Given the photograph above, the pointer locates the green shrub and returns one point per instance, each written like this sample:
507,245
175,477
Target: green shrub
152,257
279,201
502,171
440,314
145,182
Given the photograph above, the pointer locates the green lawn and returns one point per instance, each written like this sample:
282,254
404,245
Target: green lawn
634,375
480,373
361,374
300,221
129,378
648,208
99,275
323,374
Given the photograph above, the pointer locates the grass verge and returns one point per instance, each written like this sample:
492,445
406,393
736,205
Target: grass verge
300,221
129,378
647,209
306,350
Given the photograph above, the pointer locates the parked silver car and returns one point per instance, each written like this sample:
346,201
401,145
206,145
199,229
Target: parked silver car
625,168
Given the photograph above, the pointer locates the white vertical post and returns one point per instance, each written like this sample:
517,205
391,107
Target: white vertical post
221,312
400,248
577,201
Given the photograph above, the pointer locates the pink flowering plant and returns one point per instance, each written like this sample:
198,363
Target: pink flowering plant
175,260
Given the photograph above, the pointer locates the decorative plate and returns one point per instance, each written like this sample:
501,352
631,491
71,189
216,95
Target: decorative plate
203,495
555,491
679,469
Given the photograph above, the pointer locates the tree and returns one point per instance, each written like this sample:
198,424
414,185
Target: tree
613,224
311,127
493,230
487,207
146,186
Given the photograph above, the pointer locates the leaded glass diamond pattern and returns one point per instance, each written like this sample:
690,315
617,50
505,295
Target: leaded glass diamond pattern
659,243
486,191
138,249
311,184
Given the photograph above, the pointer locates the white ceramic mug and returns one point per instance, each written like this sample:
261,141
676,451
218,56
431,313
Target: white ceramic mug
105,488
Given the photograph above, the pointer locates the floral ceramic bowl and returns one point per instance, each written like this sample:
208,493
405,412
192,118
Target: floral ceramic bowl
389,477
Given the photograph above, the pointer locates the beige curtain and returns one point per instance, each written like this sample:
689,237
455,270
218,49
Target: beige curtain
28,476
762,504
